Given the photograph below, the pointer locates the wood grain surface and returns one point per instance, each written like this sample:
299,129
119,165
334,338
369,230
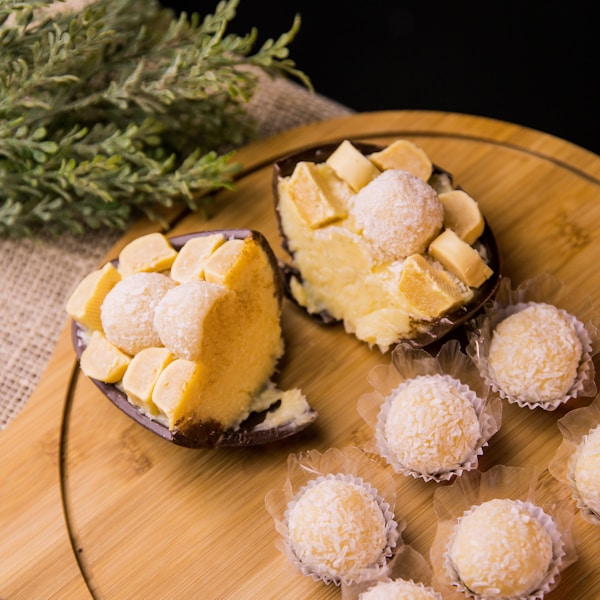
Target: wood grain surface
93,505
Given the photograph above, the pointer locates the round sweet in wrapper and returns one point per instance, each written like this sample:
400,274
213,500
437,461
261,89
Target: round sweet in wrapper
407,574
576,463
531,349
337,526
586,471
534,353
504,533
431,424
500,549
431,415
400,588
335,516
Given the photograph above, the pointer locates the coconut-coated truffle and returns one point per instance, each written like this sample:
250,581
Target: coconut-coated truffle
534,353
337,528
186,311
431,425
501,550
398,214
127,313
400,589
587,470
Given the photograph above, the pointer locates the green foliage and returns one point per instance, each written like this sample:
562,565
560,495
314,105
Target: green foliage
109,111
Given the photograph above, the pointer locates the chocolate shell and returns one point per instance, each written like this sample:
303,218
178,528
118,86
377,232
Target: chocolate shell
206,434
440,327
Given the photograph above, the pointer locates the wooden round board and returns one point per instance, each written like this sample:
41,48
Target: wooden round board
128,515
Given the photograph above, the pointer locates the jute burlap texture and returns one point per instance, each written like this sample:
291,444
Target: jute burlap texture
37,276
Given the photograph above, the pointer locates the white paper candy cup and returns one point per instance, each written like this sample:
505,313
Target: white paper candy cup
575,427
544,497
449,368
348,465
547,290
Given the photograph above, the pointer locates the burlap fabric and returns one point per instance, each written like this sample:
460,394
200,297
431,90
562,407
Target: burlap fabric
37,276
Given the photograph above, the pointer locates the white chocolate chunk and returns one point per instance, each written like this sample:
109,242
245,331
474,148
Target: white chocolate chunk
152,252
352,166
459,258
309,190
102,360
142,373
462,215
189,263
404,155
429,291
177,389
85,302
219,265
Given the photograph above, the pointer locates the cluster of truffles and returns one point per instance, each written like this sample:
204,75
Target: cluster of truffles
170,327
432,415
401,242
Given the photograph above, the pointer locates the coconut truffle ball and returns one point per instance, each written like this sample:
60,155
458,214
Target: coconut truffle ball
431,425
398,214
534,354
587,470
127,313
400,589
337,528
500,550
188,310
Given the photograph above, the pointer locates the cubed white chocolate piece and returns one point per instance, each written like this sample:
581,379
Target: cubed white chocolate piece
352,165
462,215
177,390
314,200
85,302
102,360
405,155
141,376
459,258
190,261
151,252
429,291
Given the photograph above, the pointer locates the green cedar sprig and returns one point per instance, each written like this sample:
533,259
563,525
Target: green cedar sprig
109,111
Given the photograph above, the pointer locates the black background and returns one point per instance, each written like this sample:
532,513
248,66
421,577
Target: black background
531,63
